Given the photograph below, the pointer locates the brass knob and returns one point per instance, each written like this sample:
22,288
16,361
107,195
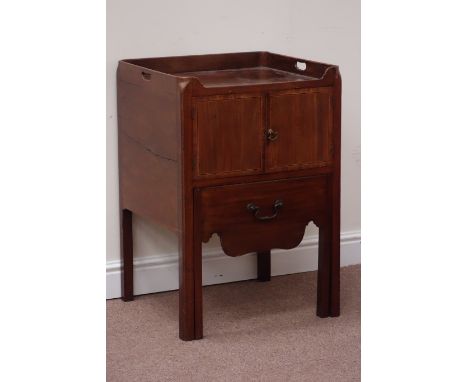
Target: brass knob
272,135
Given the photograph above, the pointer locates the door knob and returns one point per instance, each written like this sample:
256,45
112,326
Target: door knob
272,135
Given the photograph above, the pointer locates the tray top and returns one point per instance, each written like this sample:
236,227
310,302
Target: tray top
244,76
247,70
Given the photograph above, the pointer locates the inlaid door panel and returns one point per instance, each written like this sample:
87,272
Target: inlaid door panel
228,135
299,130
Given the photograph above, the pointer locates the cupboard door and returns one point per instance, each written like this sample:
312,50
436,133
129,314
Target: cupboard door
299,129
228,135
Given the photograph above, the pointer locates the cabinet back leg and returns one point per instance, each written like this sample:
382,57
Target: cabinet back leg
126,239
264,266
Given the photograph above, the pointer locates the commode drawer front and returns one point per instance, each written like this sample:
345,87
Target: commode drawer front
299,129
228,135
262,216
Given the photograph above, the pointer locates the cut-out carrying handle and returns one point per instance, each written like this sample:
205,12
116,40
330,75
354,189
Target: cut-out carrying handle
301,65
146,76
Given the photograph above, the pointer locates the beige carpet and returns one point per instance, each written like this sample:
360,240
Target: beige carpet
253,332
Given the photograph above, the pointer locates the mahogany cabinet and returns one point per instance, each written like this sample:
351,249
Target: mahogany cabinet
244,145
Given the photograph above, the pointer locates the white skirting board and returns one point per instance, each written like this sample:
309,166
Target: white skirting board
161,273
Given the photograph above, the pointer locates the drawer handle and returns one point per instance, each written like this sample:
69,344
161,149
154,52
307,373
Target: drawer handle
272,135
256,209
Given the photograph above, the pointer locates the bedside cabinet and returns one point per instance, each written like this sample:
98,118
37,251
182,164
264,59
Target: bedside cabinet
244,145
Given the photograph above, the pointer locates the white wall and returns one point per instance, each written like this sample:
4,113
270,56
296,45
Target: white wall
322,30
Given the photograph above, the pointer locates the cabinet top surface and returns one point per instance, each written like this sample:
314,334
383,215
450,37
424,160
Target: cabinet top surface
244,76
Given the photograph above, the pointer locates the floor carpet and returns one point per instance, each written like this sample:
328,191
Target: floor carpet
252,332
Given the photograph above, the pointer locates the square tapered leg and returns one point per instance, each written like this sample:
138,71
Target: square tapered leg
126,238
264,266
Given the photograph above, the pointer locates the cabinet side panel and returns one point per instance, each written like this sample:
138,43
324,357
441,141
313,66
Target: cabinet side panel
148,109
148,183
